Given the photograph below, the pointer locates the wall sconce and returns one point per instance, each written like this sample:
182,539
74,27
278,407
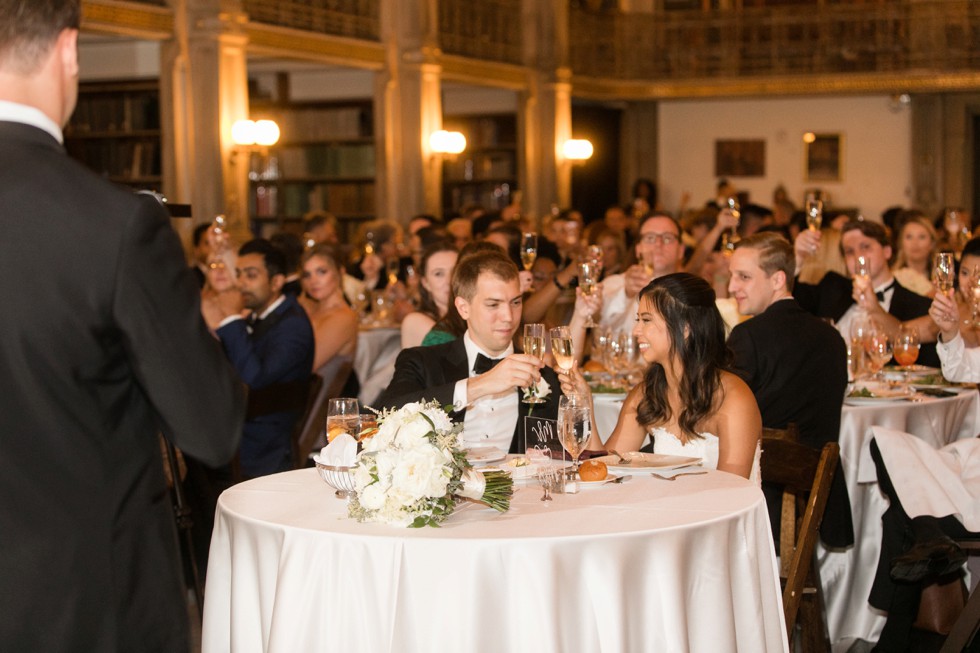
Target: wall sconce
577,149
445,142
255,132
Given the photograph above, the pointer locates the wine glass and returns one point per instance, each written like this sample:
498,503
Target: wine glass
878,346
863,268
343,416
944,271
594,254
392,268
588,277
534,345
972,295
561,347
814,212
730,237
861,327
906,349
529,249
574,425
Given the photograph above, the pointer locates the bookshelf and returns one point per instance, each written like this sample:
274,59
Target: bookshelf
115,131
325,161
486,172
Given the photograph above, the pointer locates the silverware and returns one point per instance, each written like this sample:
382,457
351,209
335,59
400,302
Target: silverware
622,458
674,477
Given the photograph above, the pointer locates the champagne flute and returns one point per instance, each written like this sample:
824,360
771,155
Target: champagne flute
972,295
906,349
588,277
392,267
594,253
863,268
343,416
861,327
944,271
529,249
574,425
814,212
561,347
729,238
534,345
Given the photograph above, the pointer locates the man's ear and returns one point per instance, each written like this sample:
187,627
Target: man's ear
778,279
276,282
67,45
463,307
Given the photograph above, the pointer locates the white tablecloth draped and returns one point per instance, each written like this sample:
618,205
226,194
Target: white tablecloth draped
377,349
647,565
847,575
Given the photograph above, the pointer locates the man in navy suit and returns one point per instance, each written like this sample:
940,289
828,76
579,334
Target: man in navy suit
479,374
271,349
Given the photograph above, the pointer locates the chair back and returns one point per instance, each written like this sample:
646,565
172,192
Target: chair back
805,475
329,383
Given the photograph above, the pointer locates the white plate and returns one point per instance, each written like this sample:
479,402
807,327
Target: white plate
873,401
591,484
609,397
485,455
647,462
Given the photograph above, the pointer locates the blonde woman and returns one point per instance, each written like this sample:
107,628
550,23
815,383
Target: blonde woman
915,247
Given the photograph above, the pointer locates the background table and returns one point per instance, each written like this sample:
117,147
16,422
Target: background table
847,575
647,565
377,349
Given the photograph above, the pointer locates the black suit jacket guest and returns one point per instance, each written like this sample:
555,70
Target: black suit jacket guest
278,351
103,347
832,297
424,373
796,366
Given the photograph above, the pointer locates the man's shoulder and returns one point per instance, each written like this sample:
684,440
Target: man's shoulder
442,351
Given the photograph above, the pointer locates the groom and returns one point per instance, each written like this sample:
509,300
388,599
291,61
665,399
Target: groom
479,374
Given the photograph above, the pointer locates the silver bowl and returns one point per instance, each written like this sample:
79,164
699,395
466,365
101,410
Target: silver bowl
339,478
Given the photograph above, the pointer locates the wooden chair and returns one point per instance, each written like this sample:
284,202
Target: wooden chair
329,383
805,475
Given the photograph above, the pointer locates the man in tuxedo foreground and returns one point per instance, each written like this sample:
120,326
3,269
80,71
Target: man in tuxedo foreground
795,363
102,347
479,374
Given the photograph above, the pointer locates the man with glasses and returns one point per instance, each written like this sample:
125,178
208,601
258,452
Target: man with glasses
659,251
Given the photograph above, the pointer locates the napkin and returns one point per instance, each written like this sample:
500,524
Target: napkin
341,452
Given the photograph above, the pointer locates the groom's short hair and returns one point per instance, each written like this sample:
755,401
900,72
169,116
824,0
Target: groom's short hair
469,268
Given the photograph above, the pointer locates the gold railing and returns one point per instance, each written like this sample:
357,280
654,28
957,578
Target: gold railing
357,19
481,30
898,36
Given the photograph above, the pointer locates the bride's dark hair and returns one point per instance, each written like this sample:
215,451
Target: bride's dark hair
686,303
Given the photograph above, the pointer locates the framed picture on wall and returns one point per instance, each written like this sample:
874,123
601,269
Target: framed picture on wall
823,157
744,158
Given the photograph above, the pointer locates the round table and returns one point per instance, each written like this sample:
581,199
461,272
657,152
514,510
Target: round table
649,565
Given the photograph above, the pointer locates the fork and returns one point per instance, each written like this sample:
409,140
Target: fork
674,477
622,458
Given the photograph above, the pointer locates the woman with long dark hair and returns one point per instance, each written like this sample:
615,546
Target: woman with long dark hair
689,402
438,262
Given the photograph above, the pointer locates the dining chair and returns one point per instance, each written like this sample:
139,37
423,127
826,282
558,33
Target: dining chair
804,474
328,383
966,628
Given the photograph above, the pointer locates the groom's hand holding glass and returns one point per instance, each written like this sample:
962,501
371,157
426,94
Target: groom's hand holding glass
514,371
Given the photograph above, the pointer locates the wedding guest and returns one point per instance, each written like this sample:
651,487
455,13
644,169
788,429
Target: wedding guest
916,245
291,247
437,264
479,374
461,231
689,401
103,348
320,227
201,250
968,293
334,322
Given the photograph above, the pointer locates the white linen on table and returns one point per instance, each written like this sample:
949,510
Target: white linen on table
374,362
641,566
846,575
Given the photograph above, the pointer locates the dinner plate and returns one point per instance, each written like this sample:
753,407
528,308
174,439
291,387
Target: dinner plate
893,373
485,455
643,462
874,401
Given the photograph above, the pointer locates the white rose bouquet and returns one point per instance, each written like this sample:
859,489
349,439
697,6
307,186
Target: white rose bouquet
413,471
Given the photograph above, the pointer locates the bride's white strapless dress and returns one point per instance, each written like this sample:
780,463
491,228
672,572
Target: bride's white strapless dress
705,448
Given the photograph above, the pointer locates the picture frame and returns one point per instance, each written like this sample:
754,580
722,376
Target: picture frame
740,158
823,157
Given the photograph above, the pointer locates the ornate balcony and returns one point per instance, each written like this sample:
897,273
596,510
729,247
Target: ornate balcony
356,19
481,30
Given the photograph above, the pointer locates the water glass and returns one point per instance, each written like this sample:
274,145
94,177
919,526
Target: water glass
574,424
343,416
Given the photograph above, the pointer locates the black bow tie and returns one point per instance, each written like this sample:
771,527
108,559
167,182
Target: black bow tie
484,364
880,294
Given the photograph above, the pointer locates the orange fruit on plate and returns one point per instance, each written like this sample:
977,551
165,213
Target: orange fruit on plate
593,470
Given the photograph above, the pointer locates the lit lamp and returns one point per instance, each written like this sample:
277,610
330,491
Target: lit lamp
446,142
255,132
577,149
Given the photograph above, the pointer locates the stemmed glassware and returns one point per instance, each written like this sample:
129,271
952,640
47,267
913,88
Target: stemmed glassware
594,254
534,345
878,346
862,269
861,327
814,212
529,249
392,267
906,349
729,238
972,295
574,425
588,277
343,416
561,347
944,271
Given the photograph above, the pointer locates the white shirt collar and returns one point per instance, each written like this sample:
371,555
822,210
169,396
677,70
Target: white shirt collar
472,349
273,306
28,115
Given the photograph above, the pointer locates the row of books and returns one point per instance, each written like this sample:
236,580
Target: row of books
127,158
327,161
269,201
322,124
496,165
116,113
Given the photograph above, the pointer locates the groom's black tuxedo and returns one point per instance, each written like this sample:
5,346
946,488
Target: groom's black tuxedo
424,373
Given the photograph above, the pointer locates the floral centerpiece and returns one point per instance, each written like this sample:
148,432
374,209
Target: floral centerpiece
414,472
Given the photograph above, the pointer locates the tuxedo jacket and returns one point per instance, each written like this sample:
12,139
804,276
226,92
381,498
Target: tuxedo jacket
278,350
102,346
832,297
425,373
796,366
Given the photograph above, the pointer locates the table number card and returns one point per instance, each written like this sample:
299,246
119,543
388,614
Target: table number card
541,438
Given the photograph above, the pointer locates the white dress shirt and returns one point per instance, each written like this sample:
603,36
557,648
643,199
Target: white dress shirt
960,364
490,420
28,115
843,325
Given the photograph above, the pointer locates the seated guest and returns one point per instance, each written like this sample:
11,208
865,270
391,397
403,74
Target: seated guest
883,299
795,363
965,293
320,227
272,349
689,402
334,322
201,251
478,374
291,247
219,275
438,262
916,244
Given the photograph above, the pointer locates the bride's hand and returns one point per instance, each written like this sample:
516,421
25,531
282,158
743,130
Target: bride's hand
573,382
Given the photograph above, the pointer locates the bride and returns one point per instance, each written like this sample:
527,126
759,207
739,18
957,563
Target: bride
688,401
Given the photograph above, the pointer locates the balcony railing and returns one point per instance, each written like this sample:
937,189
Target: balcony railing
481,30
357,19
898,36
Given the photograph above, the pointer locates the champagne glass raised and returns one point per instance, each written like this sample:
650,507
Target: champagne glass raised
588,277
529,249
814,212
729,238
561,347
944,271
534,345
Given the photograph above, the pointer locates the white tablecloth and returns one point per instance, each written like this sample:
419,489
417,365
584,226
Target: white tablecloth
847,575
607,407
647,565
377,349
